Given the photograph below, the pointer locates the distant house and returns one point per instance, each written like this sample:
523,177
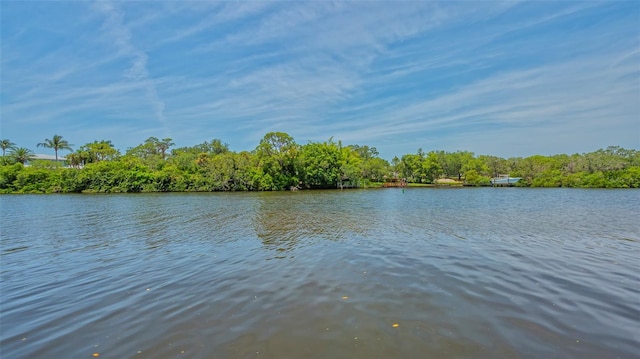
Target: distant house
42,157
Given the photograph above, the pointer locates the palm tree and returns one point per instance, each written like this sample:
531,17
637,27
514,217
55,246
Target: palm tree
164,145
21,154
57,143
6,144
78,158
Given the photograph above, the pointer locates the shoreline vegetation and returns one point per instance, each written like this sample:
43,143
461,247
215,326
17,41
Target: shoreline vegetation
279,163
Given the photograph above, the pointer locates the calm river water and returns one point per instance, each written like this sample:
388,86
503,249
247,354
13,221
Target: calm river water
424,273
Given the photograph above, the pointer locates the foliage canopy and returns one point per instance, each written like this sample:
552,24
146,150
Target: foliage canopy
278,163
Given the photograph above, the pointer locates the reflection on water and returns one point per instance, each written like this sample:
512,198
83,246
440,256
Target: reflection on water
453,273
284,221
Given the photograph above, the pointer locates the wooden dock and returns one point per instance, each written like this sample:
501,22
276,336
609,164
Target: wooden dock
395,182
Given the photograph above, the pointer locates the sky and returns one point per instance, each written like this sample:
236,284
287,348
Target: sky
511,79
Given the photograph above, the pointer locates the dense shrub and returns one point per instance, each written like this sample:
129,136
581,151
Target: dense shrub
279,163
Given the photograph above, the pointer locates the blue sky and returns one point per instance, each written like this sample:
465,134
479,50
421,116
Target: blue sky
501,78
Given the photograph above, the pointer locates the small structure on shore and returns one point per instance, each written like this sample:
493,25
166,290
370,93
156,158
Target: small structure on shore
395,182
504,180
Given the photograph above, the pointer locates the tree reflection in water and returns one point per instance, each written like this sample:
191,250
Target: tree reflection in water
285,221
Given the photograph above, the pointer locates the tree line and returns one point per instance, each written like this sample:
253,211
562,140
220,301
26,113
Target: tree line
279,163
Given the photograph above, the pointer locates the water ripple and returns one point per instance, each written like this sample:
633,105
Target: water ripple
463,273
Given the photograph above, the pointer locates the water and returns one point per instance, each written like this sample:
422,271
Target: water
463,272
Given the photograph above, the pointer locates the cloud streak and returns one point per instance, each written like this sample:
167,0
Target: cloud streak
121,37
503,78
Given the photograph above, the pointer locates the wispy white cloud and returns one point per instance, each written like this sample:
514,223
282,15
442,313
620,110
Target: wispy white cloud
394,75
216,14
561,99
118,32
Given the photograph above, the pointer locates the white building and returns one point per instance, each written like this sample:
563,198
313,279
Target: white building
42,157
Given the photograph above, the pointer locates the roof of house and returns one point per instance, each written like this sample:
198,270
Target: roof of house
40,156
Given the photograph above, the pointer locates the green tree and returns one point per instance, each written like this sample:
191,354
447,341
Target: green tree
548,178
610,159
452,163
277,155
21,154
411,166
531,167
6,145
630,177
397,167
473,178
78,159
320,164
145,151
57,143
153,151
350,165
93,152
365,152
278,163
475,172
8,175
242,171
372,167
431,168
163,146
495,164
100,151
376,169
37,180
216,147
